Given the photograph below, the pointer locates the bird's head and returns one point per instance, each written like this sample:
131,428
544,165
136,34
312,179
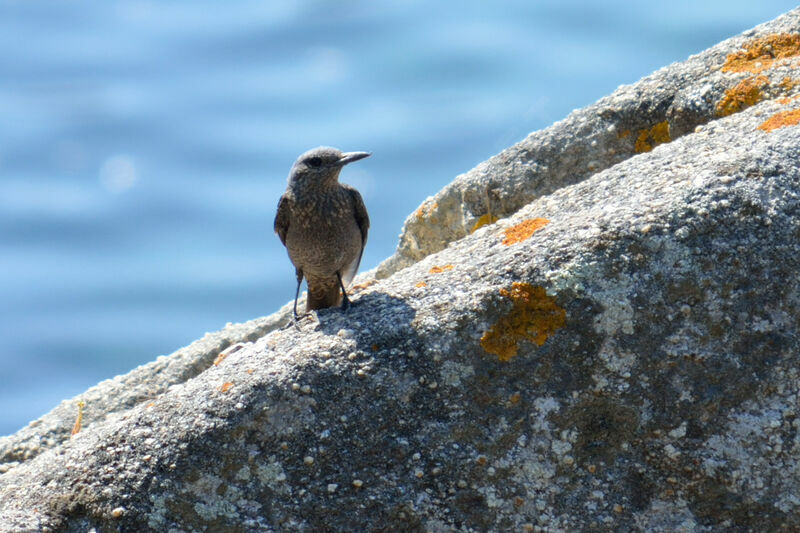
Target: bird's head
321,166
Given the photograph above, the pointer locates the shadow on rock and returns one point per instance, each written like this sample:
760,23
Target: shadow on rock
372,317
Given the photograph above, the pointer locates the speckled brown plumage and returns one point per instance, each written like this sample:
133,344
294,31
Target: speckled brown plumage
323,225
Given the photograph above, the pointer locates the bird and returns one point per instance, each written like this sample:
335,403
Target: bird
323,224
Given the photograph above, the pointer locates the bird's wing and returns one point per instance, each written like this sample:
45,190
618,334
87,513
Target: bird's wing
360,211
282,218
362,219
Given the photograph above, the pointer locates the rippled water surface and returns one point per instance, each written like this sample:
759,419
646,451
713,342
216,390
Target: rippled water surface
144,145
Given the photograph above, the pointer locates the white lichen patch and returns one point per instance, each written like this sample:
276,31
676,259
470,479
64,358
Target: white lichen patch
543,406
615,360
438,526
678,432
210,503
560,447
243,474
205,486
673,516
671,451
452,373
564,444
490,494
273,476
531,467
613,294
753,454
158,516
617,314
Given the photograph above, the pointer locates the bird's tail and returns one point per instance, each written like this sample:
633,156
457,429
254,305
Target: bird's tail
323,295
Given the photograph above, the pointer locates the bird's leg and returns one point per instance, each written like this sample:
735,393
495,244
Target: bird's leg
345,300
297,292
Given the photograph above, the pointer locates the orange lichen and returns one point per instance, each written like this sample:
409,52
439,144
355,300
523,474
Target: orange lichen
780,120
426,209
76,428
227,351
440,269
362,286
760,54
523,230
421,284
484,220
534,317
622,134
515,398
787,84
374,347
747,92
225,386
650,138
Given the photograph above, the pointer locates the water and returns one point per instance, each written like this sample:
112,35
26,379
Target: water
144,145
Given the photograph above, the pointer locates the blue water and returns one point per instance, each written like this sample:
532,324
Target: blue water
144,145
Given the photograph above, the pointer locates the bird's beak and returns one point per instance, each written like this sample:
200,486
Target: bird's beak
349,157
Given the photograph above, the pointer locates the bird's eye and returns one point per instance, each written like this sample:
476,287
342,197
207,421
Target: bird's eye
314,161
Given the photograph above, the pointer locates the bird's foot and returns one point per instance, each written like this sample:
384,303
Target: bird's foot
295,321
345,299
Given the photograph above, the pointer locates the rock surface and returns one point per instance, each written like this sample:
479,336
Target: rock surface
663,106
619,354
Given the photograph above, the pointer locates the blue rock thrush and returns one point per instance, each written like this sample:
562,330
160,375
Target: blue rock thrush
323,224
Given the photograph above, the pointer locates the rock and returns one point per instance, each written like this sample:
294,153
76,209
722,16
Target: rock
123,392
619,354
634,119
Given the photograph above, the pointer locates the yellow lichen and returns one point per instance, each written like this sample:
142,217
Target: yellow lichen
421,284
225,386
787,84
440,269
622,134
484,220
650,138
760,54
746,93
534,317
523,230
780,120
